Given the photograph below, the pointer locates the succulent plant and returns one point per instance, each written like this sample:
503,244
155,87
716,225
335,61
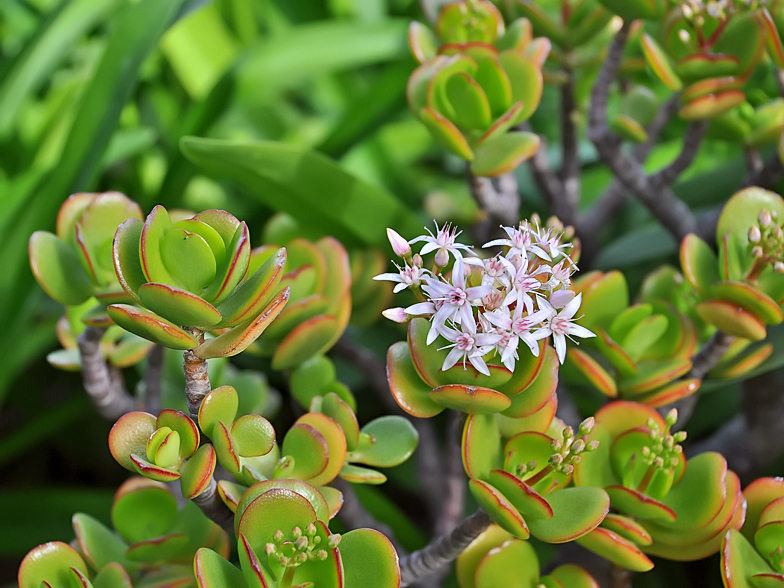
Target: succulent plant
685,508
284,541
152,545
709,51
497,315
522,482
496,558
191,276
742,288
478,80
752,555
641,351
319,278
75,264
568,25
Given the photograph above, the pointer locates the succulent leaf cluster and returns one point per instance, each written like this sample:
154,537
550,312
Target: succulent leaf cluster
477,81
684,508
191,275
153,544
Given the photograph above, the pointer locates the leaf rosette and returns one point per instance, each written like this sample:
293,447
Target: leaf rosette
741,289
478,80
568,26
284,541
191,276
641,351
522,481
684,509
153,543
710,54
319,277
75,264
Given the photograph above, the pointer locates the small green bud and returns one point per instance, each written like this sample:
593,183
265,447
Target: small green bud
778,267
669,442
754,235
765,218
658,463
556,445
587,425
311,530
757,251
575,459
567,470
532,465
556,459
321,554
270,548
417,260
301,543
278,536
302,558
568,433
578,446
680,436
333,540
592,446
672,417
297,532
284,561
646,451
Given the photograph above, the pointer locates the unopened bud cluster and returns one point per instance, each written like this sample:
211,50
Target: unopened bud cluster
776,559
662,453
767,240
301,548
569,449
695,11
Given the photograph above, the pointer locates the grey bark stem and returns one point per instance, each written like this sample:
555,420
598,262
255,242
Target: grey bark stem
105,388
673,214
214,508
197,379
442,550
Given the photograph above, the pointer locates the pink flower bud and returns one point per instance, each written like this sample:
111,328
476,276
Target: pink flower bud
399,245
441,258
397,315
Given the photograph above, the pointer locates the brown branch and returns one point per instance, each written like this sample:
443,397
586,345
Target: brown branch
214,508
197,379
442,550
674,215
104,385
611,201
691,145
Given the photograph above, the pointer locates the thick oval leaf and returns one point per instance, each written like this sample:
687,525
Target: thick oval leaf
185,427
58,269
523,497
580,364
178,306
274,510
336,443
254,294
503,153
130,435
51,563
490,538
617,549
239,338
212,571
712,105
219,406
153,471
470,399
385,442
253,435
740,561
339,411
699,264
368,560
749,298
235,264
308,448
358,475
98,545
150,326
526,79
627,528
576,512
143,510
496,505
481,446
407,387
638,505
732,319
539,393
196,473
660,63
513,564
307,339
310,493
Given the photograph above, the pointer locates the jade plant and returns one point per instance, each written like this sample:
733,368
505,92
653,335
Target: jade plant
246,380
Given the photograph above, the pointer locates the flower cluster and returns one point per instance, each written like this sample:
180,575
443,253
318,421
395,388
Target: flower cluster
719,9
767,241
488,306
